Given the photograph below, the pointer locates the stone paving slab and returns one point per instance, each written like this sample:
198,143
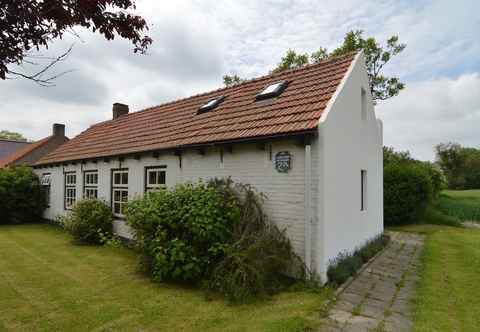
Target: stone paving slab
379,298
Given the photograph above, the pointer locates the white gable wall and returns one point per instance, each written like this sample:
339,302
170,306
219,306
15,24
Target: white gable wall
247,164
347,144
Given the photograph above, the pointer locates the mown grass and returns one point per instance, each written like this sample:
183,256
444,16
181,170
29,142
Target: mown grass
462,204
448,296
48,284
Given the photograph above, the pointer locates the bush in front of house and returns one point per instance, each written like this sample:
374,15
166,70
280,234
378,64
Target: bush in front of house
257,256
407,192
347,264
214,234
21,196
90,222
182,232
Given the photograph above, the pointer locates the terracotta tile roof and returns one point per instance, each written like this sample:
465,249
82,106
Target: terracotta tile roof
22,152
239,116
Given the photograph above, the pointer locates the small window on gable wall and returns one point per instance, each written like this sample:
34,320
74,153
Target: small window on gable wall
364,104
363,190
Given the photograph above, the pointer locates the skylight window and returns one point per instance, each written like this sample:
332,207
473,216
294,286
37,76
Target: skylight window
211,104
272,90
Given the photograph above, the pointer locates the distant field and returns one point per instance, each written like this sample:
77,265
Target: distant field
463,204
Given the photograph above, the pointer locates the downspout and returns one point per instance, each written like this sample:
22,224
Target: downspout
308,207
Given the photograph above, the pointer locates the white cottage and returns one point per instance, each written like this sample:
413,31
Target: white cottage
308,138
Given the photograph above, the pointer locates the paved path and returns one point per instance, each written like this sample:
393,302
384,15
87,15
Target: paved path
379,298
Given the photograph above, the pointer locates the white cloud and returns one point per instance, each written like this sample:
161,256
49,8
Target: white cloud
430,112
197,41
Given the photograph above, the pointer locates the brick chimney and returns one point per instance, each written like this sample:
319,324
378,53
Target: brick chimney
58,130
119,109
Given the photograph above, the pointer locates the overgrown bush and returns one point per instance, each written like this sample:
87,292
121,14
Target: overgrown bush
407,192
215,234
347,264
90,221
182,232
257,255
21,196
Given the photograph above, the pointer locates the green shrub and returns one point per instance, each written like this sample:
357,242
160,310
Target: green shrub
90,221
407,192
437,177
342,267
182,232
215,234
347,264
258,254
21,196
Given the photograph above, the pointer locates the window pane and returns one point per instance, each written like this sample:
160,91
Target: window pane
124,196
95,178
116,195
116,178
161,177
125,178
152,177
116,208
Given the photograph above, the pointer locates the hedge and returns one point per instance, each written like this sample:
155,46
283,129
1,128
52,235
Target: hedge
407,191
21,196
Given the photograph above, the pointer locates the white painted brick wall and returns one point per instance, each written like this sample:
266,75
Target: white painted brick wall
247,164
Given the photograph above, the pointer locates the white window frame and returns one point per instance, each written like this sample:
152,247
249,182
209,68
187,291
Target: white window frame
70,190
45,182
90,184
160,180
119,191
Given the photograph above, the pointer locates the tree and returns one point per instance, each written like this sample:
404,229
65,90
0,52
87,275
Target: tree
28,25
377,56
452,160
291,60
460,164
233,79
390,156
13,136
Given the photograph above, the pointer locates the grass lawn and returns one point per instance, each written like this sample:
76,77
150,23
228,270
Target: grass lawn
448,294
463,204
48,284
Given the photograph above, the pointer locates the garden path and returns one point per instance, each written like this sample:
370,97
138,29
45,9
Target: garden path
379,297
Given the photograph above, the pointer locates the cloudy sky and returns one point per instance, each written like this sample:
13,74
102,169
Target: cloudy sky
196,42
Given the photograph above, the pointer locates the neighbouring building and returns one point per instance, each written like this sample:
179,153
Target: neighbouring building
7,147
29,153
307,138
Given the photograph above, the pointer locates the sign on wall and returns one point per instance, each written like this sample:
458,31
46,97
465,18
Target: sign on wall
283,161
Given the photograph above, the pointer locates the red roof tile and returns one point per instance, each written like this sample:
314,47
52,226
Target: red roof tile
239,116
